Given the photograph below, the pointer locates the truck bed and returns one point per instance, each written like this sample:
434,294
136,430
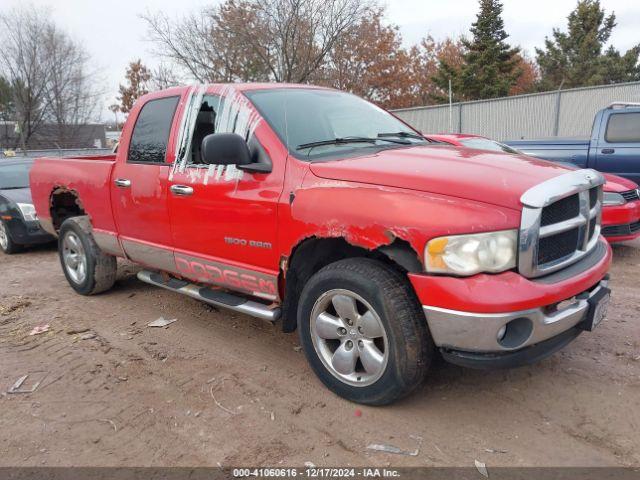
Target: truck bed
88,175
572,150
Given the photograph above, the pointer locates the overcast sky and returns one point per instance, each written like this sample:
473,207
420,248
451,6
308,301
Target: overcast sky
113,33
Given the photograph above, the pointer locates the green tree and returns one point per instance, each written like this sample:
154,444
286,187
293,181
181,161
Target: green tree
490,65
578,57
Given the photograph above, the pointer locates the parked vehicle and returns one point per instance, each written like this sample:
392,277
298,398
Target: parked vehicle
614,145
317,208
621,212
19,225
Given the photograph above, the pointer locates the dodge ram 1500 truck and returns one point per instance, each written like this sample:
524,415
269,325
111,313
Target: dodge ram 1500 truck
317,208
614,145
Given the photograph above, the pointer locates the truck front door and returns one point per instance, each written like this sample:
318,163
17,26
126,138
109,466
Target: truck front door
618,149
139,184
224,220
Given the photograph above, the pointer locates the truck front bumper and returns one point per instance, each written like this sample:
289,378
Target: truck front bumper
27,232
621,223
508,320
514,338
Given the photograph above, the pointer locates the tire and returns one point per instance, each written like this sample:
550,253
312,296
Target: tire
389,334
94,271
7,245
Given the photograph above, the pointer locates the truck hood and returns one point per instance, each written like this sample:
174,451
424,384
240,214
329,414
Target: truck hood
618,184
483,176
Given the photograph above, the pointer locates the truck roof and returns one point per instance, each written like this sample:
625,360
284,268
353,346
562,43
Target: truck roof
242,87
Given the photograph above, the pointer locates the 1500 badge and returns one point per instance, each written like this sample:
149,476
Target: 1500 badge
243,242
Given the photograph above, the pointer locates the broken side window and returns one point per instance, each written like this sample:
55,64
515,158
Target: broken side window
205,125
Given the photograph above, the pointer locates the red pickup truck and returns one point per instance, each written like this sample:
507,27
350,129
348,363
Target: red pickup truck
316,208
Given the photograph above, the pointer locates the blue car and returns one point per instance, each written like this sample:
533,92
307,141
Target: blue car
614,146
19,225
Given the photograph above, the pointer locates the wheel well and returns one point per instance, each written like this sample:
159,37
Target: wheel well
313,254
64,204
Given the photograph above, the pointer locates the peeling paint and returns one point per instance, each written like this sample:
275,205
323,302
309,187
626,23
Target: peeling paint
234,114
371,217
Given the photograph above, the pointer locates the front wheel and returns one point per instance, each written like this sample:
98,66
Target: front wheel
363,331
88,269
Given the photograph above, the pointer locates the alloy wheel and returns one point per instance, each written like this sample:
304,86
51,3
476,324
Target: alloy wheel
349,337
75,259
4,236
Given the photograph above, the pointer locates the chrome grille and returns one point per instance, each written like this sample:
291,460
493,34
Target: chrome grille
631,195
560,222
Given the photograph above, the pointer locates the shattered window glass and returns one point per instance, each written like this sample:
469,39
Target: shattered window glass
151,132
205,125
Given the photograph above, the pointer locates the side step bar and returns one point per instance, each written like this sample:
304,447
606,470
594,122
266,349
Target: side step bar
218,298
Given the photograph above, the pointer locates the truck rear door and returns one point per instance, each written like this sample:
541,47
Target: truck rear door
618,147
139,183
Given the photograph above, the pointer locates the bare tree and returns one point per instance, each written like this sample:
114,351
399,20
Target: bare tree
201,49
47,73
72,99
256,40
164,76
26,67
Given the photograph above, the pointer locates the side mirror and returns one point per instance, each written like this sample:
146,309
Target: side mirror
231,149
225,149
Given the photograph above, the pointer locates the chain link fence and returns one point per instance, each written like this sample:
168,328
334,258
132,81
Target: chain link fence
563,113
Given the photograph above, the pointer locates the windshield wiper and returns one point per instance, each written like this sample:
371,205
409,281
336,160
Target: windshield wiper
343,141
401,135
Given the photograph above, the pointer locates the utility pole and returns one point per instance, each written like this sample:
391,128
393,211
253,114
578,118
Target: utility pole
450,108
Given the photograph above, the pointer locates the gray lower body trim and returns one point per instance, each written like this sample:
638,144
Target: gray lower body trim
150,256
108,242
478,332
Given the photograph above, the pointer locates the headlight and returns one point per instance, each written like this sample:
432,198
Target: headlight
470,254
28,212
611,198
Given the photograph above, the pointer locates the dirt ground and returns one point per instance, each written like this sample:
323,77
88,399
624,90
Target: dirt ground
216,388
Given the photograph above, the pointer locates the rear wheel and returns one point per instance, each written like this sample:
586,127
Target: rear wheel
88,269
363,331
7,245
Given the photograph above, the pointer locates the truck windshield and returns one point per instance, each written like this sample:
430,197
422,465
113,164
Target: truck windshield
14,176
315,123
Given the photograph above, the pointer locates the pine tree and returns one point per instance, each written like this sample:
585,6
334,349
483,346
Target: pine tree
490,65
578,58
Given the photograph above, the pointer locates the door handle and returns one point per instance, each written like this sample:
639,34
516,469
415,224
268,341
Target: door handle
122,182
608,151
181,190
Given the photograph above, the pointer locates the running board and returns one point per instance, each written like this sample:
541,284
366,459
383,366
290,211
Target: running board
208,295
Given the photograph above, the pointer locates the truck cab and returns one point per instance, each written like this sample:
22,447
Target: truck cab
615,141
613,147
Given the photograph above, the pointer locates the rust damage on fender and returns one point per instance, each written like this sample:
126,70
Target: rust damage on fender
322,209
64,202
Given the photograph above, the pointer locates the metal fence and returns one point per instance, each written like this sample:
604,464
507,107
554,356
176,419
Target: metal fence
563,113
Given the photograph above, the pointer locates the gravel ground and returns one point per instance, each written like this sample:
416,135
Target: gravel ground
217,388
